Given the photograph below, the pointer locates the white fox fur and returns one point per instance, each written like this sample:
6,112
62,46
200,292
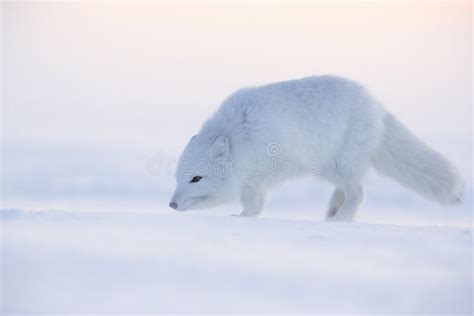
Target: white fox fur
317,126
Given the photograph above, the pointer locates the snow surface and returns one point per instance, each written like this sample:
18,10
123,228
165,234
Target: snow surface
170,262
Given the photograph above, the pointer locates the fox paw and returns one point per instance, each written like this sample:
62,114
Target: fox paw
246,214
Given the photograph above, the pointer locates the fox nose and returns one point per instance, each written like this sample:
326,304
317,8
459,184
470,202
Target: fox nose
173,205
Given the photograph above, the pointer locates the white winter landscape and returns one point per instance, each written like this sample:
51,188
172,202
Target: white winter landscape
145,263
100,98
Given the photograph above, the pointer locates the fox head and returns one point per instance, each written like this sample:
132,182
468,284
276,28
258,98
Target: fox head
204,174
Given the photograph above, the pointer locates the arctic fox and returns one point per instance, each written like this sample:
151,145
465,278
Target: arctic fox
323,126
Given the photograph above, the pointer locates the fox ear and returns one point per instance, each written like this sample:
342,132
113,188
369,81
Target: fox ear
219,147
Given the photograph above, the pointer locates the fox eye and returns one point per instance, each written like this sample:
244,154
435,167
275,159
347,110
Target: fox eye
195,179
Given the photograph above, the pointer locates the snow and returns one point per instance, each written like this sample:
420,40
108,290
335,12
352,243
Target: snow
171,262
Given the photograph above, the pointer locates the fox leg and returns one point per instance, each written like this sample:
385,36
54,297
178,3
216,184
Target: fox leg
337,199
353,198
253,200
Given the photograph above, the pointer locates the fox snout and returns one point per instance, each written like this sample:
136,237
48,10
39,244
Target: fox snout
173,205
177,203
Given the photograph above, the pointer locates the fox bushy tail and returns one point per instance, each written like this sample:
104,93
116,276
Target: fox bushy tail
409,161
